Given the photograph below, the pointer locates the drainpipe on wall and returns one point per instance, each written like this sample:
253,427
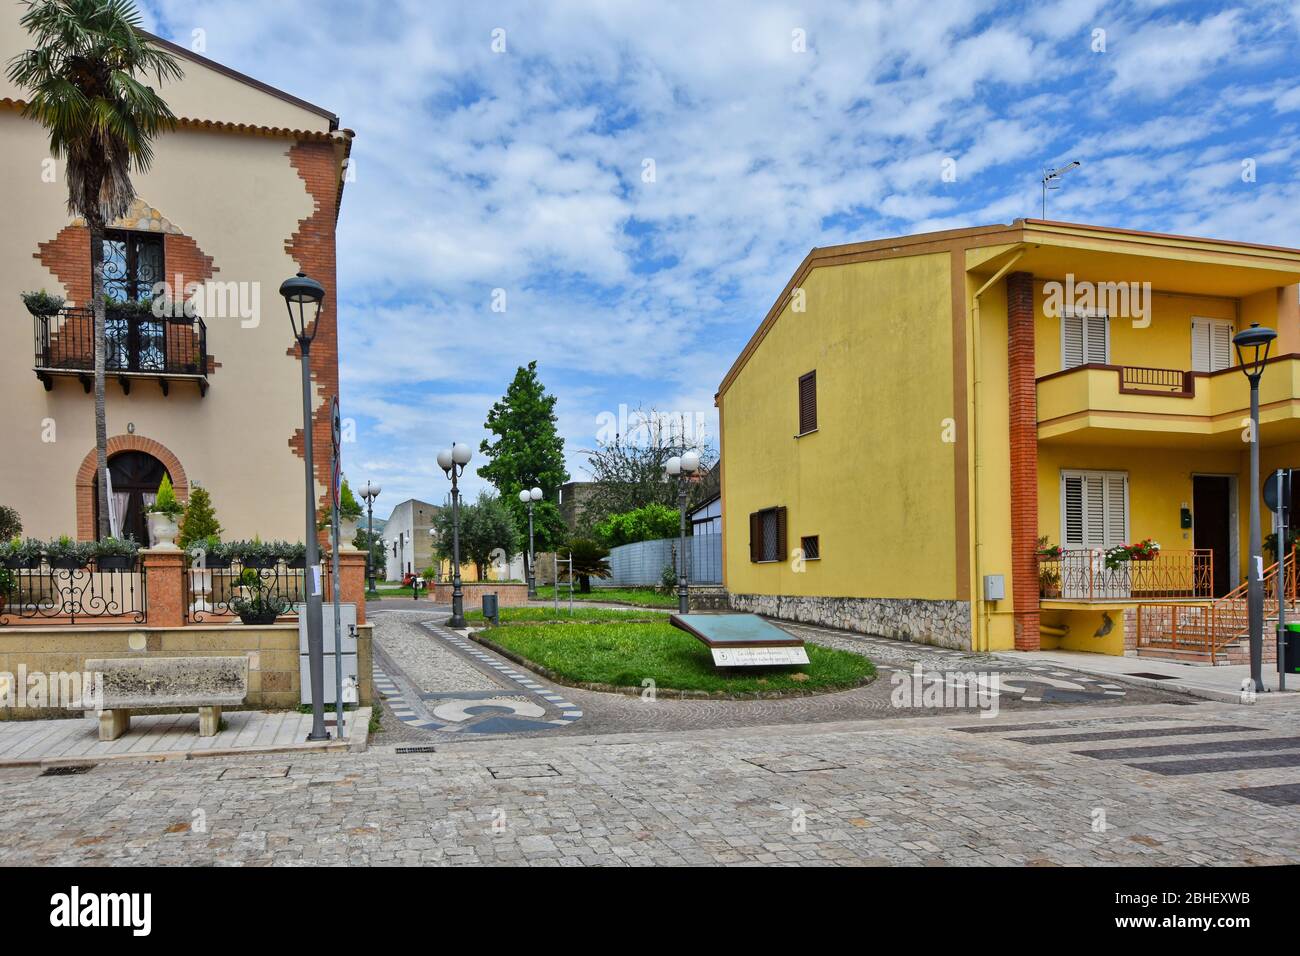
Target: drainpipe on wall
981,637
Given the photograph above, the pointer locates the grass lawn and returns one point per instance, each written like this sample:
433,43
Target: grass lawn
533,615
626,653
393,592
647,597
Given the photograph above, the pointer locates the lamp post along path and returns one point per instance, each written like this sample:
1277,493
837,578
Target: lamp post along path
529,496
370,492
682,468
1252,353
306,296
453,461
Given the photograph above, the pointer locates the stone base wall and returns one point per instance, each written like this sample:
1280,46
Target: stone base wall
942,623
508,595
272,653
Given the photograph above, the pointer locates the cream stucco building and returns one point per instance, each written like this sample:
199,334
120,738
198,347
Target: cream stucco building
242,194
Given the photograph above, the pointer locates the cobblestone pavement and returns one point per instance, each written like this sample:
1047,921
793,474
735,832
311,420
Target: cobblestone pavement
1043,686
1156,784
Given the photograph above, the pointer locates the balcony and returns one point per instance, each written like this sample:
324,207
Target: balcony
1125,404
139,345
1083,575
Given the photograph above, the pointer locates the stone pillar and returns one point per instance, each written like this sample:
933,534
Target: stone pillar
164,574
352,580
1024,459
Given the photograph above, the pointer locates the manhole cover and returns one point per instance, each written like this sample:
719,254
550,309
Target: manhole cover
793,763
253,773
66,771
1155,676
523,770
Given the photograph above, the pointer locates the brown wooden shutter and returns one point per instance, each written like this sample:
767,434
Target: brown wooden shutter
808,402
780,534
755,533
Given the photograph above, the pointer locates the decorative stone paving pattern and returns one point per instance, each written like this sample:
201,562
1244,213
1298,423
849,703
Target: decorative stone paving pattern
905,791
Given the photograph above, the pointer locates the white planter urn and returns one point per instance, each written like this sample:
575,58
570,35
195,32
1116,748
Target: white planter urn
163,531
347,533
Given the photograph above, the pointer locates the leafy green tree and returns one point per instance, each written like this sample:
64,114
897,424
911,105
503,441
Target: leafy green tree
628,472
590,560
378,553
11,525
526,452
200,521
487,530
83,85
647,523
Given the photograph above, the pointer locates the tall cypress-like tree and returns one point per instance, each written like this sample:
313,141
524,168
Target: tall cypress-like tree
527,452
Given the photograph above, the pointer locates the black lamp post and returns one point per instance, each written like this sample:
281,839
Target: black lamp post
453,461
370,492
1252,353
683,469
528,496
304,296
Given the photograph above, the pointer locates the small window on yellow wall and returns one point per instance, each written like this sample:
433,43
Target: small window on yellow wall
811,546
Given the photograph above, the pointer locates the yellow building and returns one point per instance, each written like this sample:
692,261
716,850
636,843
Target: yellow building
914,414
242,194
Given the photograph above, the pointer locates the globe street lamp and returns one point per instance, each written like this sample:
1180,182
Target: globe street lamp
528,496
453,461
683,469
1252,353
370,492
304,297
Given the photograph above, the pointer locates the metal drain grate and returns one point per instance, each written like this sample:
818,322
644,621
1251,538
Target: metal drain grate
67,771
417,750
1154,676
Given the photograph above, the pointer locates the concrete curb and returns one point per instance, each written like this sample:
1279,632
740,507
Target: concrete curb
358,738
161,756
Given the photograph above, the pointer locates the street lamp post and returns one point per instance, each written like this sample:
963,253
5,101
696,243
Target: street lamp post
370,492
683,469
306,296
453,461
528,496
1252,353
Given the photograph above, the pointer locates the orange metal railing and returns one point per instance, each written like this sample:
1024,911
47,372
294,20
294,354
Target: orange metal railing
1083,575
1207,629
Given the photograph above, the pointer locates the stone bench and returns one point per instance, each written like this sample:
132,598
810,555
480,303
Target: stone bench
151,683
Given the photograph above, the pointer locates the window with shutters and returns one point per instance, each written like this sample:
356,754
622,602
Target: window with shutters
1094,509
767,535
1085,339
1211,344
808,403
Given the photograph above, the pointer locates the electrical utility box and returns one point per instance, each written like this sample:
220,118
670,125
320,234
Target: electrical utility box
348,620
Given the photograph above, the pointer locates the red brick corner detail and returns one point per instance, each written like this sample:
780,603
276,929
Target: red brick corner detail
312,248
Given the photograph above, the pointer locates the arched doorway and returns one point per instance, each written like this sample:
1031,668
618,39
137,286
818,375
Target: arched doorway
135,477
86,485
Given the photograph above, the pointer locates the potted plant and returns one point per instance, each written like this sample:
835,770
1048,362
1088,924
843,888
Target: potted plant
116,554
257,605
1144,550
64,554
163,516
349,514
18,554
293,554
42,303
254,555
216,555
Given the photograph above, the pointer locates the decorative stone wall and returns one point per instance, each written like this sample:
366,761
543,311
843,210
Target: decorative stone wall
272,652
942,623
508,595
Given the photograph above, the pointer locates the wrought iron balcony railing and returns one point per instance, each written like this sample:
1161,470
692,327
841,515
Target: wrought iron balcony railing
1083,574
138,344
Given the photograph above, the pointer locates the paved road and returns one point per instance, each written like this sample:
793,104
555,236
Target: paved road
1156,784
426,667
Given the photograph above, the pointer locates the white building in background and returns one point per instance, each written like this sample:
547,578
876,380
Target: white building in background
407,539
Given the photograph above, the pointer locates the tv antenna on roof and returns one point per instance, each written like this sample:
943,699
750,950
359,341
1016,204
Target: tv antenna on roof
1051,180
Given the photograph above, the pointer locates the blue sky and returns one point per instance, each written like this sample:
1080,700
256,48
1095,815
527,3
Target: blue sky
526,170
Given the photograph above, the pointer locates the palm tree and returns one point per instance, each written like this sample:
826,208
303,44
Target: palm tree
82,79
